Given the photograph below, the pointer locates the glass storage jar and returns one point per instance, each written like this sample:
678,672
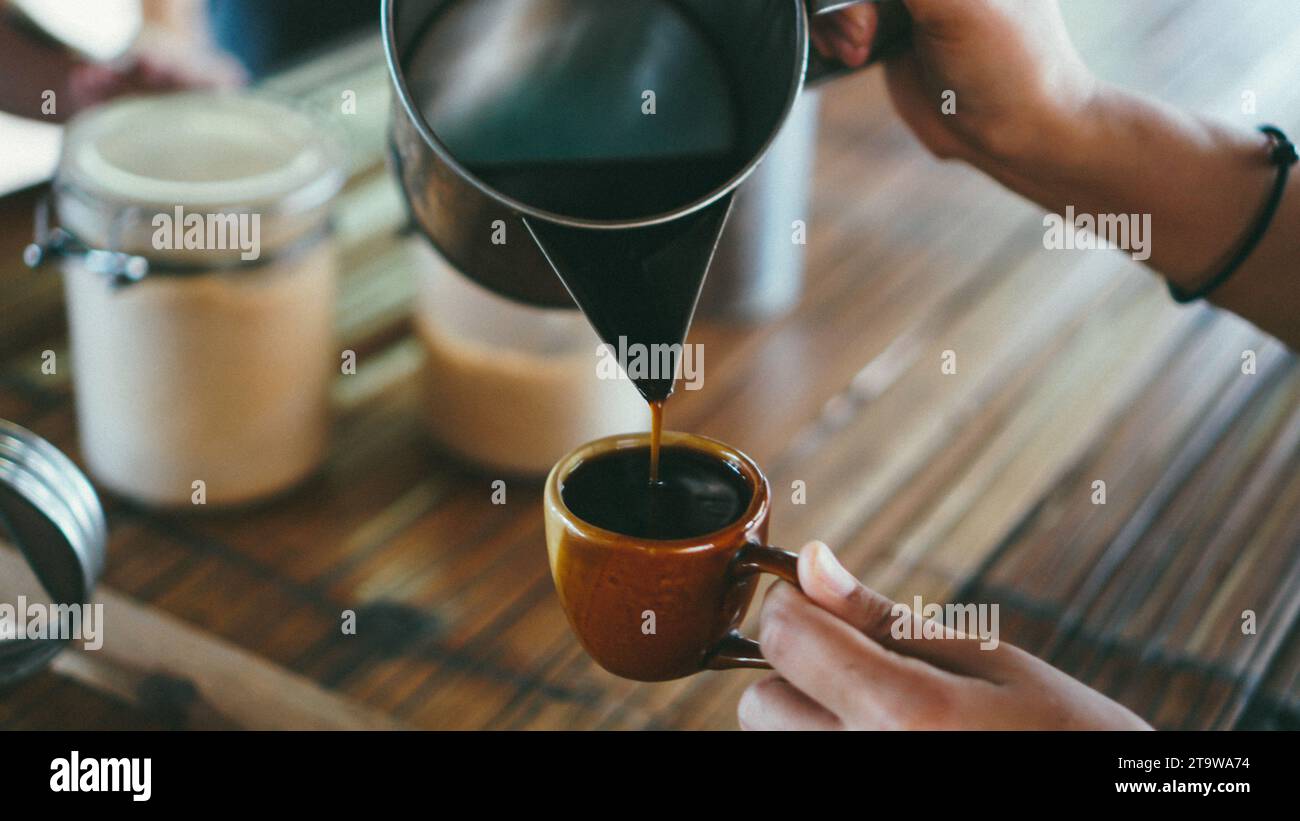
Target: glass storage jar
511,387
199,272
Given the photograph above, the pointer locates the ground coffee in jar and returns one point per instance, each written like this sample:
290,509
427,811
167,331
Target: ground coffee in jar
199,271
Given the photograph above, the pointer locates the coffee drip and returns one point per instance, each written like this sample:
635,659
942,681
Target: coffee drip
656,434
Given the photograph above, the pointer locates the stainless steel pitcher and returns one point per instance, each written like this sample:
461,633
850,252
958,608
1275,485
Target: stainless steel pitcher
525,72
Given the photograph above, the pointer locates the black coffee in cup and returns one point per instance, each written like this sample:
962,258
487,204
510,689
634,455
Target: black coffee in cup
696,493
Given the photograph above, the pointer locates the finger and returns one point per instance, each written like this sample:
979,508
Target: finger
840,668
836,43
855,55
846,35
775,704
857,25
853,22
834,589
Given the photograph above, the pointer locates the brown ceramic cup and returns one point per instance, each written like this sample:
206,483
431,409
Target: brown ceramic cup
653,610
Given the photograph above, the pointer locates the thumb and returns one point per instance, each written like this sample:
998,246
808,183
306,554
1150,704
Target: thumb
835,590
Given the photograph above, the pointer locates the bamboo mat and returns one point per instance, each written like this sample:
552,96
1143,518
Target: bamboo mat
1073,367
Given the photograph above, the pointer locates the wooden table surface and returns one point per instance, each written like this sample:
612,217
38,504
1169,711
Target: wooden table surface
1072,367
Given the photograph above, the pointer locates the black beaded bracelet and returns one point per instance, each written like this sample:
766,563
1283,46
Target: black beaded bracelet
1283,155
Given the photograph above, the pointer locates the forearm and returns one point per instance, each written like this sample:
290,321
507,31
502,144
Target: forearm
1204,185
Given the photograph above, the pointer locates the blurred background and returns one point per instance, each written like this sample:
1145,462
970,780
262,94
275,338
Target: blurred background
1074,368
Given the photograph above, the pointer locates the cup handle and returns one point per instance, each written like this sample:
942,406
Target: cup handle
735,650
892,35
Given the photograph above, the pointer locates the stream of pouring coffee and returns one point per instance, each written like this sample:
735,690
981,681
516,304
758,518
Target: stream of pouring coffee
656,435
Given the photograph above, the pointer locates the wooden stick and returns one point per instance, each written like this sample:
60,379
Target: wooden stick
194,679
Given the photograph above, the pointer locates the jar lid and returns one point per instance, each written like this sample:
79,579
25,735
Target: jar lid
133,162
49,511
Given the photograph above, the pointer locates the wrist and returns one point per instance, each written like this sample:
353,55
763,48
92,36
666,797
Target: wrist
1118,152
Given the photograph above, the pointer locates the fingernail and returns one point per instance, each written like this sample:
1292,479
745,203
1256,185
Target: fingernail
853,25
839,580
